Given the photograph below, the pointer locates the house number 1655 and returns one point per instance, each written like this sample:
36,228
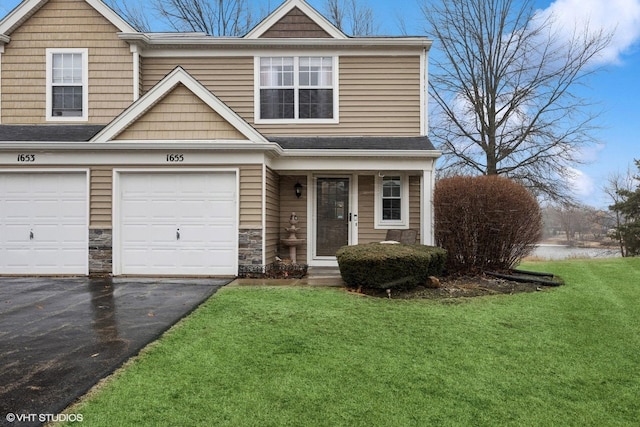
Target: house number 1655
175,158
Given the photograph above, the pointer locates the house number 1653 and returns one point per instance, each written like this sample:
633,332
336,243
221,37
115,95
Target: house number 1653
26,158
175,158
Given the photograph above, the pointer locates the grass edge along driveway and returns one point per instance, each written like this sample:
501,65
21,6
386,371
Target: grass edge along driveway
275,356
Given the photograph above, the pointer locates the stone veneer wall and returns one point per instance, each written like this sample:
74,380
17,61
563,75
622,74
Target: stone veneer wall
250,250
100,251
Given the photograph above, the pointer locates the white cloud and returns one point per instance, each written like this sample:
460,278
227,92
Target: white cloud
581,183
620,17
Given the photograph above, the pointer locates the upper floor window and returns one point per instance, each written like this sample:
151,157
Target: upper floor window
296,88
67,84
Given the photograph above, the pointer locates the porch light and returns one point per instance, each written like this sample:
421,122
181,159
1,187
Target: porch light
298,188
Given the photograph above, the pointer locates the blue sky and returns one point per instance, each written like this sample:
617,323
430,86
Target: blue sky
615,90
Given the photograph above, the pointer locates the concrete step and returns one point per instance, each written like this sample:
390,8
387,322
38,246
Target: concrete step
323,272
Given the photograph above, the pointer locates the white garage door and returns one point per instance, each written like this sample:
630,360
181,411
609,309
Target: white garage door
43,223
178,223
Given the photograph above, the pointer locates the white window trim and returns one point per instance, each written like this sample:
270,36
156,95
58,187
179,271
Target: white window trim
296,85
403,223
85,85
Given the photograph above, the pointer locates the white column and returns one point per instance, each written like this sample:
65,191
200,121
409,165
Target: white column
427,236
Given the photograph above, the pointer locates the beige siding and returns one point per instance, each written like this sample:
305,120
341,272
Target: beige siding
379,95
367,233
251,196
295,24
101,185
180,115
272,212
230,79
290,203
65,24
366,207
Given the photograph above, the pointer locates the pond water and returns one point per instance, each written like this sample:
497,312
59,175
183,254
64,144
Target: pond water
564,252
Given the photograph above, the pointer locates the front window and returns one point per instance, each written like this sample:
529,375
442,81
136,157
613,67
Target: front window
67,84
392,201
391,198
296,88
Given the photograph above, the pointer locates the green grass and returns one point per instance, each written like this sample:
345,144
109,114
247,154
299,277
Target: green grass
279,356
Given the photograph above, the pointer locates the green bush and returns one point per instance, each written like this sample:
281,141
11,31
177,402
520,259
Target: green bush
386,266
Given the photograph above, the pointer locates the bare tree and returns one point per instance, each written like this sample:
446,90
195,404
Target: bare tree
352,17
133,13
503,85
214,17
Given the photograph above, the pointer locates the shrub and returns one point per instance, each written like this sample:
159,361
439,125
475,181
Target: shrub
385,266
485,222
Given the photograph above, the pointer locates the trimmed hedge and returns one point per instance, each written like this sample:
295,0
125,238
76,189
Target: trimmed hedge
386,266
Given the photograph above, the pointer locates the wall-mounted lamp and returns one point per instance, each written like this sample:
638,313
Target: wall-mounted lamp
298,188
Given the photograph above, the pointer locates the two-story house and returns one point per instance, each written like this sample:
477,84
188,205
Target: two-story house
132,153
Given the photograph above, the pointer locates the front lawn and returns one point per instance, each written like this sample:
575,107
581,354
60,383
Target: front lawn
276,356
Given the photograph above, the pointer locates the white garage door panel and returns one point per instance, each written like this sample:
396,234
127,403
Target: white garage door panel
178,223
43,223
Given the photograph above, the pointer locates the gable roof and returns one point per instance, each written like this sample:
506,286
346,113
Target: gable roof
181,115
28,8
159,91
286,8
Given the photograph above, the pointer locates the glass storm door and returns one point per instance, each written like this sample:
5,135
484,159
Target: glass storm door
332,223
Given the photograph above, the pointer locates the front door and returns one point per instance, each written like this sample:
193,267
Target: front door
332,222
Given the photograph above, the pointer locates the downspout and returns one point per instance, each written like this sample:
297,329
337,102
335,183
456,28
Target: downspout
1,52
424,92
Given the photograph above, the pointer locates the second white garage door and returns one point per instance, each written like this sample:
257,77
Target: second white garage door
178,223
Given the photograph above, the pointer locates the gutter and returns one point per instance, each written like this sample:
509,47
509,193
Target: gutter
151,40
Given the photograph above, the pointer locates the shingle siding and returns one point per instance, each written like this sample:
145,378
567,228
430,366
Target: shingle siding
65,24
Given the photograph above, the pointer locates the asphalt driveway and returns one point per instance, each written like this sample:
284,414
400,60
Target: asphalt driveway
59,336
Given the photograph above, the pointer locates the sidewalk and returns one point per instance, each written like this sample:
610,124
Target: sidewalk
317,276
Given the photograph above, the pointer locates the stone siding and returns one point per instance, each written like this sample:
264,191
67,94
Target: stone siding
100,251
250,250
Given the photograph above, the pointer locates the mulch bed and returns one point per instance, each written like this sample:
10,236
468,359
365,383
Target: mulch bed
460,287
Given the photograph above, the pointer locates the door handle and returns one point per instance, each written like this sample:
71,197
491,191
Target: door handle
178,234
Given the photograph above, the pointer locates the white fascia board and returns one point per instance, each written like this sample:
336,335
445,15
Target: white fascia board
160,90
146,145
285,8
27,8
19,14
112,16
